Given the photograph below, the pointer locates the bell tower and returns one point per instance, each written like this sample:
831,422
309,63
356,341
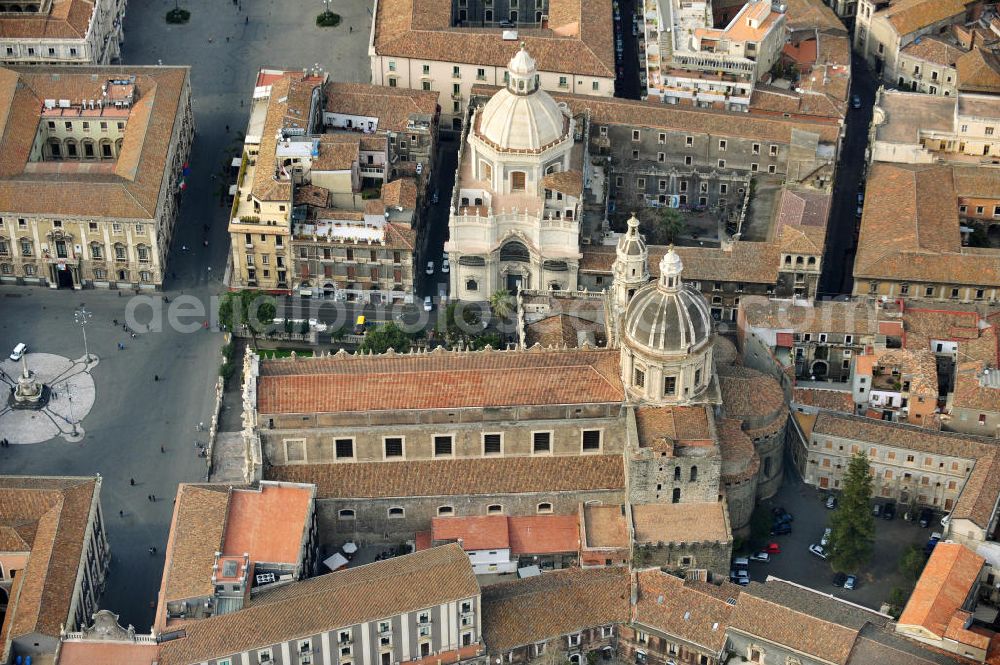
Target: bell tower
630,270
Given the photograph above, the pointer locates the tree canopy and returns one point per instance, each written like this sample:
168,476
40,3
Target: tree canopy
250,308
852,523
662,226
385,337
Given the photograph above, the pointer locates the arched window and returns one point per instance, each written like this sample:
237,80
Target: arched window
494,509
55,148
811,261
118,147
694,474
106,152
515,251
444,511
677,473
88,149
517,180
485,171
676,498
143,253
345,514
788,260
554,167
120,253
396,512
544,507
96,251
71,149
471,285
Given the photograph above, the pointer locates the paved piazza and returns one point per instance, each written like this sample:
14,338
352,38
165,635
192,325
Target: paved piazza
133,415
71,397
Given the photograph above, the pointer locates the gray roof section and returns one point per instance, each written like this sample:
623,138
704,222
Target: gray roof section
879,645
814,603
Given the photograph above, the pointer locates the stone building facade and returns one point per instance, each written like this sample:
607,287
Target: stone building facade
49,32
108,220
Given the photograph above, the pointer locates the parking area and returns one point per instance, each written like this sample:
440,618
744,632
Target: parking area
796,564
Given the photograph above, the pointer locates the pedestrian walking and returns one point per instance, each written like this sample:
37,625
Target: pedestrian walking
351,29
152,550
156,377
115,321
152,497
131,481
162,449
248,20
121,513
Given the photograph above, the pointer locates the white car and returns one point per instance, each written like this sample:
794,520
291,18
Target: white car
427,304
818,551
825,540
430,268
19,351
760,556
445,266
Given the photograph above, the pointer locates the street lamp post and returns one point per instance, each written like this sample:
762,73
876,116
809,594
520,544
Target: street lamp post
72,419
83,317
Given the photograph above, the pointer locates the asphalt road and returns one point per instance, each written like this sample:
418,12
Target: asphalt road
225,44
797,564
841,234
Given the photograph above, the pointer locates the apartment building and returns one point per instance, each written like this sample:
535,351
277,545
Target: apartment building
54,561
912,465
883,28
561,615
61,32
330,188
974,406
94,169
239,551
928,65
446,49
917,207
424,608
897,385
819,340
689,60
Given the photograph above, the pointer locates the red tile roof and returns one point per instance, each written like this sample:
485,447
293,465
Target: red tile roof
544,534
943,587
477,532
439,380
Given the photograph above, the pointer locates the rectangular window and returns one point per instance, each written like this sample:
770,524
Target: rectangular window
689,141
591,440
755,149
344,448
492,444
639,378
670,385
635,134
443,446
662,138
541,442
393,446
722,145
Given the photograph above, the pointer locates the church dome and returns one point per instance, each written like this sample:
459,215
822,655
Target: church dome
666,317
631,243
522,116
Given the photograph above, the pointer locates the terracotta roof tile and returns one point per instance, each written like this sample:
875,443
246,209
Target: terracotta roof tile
933,49
973,390
579,41
321,604
831,400
544,534
751,262
562,330
457,477
885,647
400,192
132,190
739,456
668,604
337,152
312,195
438,381
67,19
979,71
681,523
749,393
87,652
394,107
196,533
910,230
605,526
977,338
680,425
908,16
917,367
51,514
944,584
567,182
978,499
828,316
475,532
553,604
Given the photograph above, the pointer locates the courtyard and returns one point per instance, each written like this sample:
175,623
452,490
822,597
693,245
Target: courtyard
132,415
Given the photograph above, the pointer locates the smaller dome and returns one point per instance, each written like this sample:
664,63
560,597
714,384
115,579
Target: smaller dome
631,242
668,317
522,64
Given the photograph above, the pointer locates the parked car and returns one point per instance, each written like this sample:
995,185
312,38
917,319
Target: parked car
430,268
772,548
859,212
825,540
839,579
851,582
781,529
741,563
877,510
889,511
445,266
760,556
861,198
420,168
855,102
740,577
818,551
434,197
782,515
359,326
934,539
831,502
926,515
19,351
428,305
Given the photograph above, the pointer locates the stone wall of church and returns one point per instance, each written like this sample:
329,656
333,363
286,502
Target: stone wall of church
657,477
771,449
741,498
713,556
371,521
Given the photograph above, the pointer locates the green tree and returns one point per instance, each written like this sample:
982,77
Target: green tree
385,337
493,339
502,303
852,523
663,225
249,308
912,563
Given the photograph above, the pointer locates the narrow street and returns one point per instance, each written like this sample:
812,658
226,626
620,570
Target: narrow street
841,234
